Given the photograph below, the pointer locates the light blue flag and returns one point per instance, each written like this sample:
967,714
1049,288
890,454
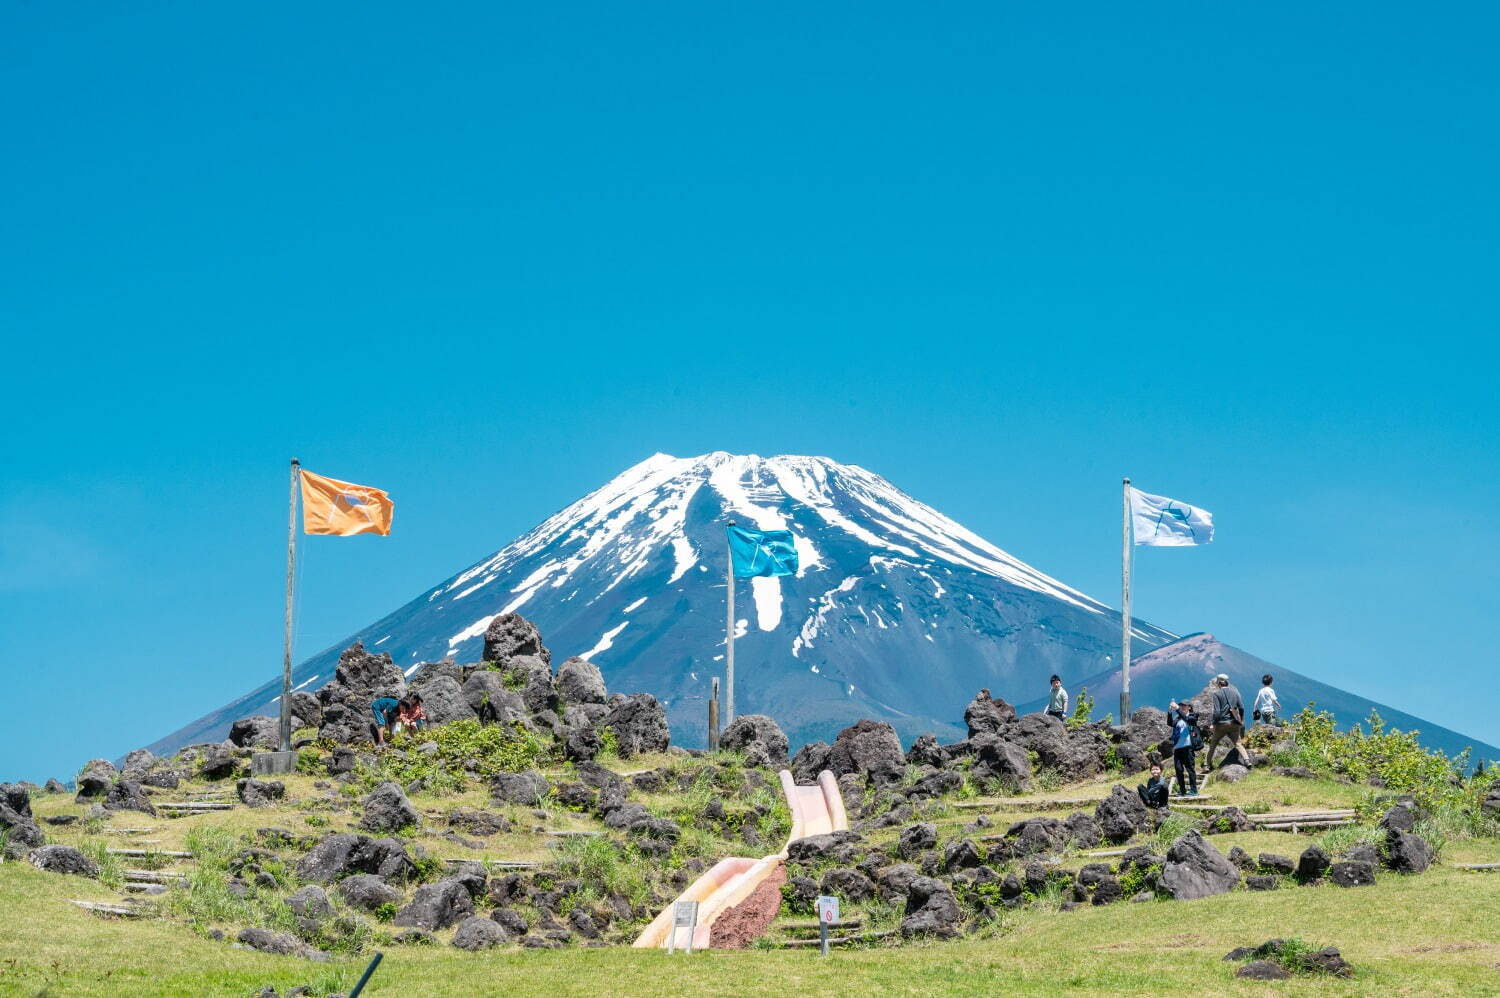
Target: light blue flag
762,552
1157,521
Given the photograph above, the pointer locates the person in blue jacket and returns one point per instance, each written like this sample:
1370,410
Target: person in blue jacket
1184,737
384,709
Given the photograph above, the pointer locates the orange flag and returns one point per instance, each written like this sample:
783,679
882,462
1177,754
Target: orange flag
330,506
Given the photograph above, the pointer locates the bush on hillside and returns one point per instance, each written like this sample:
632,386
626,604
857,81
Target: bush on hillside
1395,757
463,747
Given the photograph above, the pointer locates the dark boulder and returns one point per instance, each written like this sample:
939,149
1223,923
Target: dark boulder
961,855
443,701
639,724
1263,970
165,779
64,859
128,795
1313,863
581,743
580,681
931,909
137,764
848,884
926,751
1230,772
870,749
361,677
916,839
342,853
344,725
386,809
1407,853
895,880
1352,873
938,783
1121,815
817,847
528,788
307,711
1037,836
760,738
480,823
1083,831
54,786
476,933
987,716
278,943
218,762
997,759
437,905
259,793
1229,819
1400,818
511,635
310,902
1270,862
367,891
513,922
96,779
1261,882
1195,869
491,702
255,732
810,760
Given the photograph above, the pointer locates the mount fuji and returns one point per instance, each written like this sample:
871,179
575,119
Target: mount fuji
896,613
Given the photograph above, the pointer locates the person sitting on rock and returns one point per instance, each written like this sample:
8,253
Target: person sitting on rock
1057,702
409,713
385,710
1154,793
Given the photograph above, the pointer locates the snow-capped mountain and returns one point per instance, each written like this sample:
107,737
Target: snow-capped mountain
897,611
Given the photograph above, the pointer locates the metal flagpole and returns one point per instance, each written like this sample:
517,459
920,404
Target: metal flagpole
1125,607
729,632
286,657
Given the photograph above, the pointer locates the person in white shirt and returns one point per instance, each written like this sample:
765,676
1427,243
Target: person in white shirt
1266,705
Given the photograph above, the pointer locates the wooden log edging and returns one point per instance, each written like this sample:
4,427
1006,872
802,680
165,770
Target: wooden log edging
98,908
836,940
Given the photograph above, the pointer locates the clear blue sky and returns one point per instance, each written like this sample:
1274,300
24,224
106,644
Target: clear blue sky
487,256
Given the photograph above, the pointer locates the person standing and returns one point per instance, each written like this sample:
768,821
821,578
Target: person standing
385,710
1183,747
1228,721
1057,704
1267,707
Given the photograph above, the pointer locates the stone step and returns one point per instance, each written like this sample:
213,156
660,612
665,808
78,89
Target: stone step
1029,804
193,805
836,940
175,854
1477,866
498,864
153,877
121,910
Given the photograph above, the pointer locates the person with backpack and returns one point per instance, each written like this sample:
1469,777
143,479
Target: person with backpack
1267,706
1228,721
1185,741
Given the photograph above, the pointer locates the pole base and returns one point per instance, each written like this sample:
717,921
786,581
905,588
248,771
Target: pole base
1124,707
273,763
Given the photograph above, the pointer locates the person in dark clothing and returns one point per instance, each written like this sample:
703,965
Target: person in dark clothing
1228,721
1184,731
1155,792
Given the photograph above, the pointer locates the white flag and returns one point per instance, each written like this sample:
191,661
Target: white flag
1157,521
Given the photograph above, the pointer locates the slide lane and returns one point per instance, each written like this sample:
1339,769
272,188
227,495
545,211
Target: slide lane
739,896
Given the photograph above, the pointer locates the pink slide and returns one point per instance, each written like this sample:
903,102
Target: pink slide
739,898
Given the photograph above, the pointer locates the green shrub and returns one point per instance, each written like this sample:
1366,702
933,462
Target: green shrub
1083,710
492,748
1173,827
609,744
1396,757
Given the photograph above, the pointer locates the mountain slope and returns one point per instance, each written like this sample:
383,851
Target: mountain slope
1184,667
897,612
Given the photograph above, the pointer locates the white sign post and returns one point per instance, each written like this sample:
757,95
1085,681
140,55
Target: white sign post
684,916
828,914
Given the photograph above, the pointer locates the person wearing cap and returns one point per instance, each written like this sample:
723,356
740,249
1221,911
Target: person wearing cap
1228,721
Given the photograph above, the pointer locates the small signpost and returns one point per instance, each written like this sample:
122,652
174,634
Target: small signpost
684,916
828,914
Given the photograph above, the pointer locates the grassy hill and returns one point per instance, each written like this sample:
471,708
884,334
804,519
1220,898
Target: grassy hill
1433,933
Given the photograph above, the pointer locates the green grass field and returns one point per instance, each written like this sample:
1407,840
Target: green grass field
1438,933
